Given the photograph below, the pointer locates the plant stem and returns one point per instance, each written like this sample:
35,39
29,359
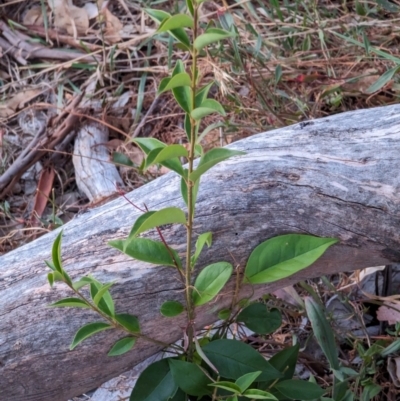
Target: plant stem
191,209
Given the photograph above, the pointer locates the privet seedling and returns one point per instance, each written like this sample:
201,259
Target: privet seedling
213,367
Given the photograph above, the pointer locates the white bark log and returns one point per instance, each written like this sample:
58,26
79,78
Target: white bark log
334,177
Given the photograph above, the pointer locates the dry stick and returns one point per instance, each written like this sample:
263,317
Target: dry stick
24,161
19,39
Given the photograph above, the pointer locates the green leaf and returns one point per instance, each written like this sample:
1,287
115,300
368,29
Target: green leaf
233,359
203,356
50,278
285,361
247,380
106,303
163,83
189,377
391,349
224,314
175,22
209,106
122,160
171,308
178,80
259,395
148,144
210,282
168,215
382,80
211,158
182,94
229,386
122,346
212,35
88,330
179,34
70,303
82,282
201,94
160,155
322,331
282,256
56,253
259,319
130,322
147,250
188,126
155,383
101,292
189,5
299,389
203,239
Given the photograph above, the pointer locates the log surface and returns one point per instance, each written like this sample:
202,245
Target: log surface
333,177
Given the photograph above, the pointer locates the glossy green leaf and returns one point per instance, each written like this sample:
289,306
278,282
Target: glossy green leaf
50,265
225,385
259,319
175,22
155,383
88,330
203,239
122,346
209,106
148,144
212,35
56,253
168,215
179,34
122,160
282,256
210,282
160,155
184,191
106,303
299,389
285,361
50,279
182,94
322,331
202,355
130,322
245,381
178,80
382,80
255,394
233,359
171,308
189,5
147,250
101,292
202,93
188,126
70,303
189,377
211,158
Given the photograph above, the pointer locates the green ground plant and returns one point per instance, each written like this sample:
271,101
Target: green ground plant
212,367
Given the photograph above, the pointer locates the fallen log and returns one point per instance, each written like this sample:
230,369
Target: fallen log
333,177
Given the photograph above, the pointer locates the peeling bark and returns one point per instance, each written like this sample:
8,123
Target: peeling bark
333,177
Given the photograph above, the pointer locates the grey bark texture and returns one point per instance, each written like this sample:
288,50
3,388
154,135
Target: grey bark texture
333,177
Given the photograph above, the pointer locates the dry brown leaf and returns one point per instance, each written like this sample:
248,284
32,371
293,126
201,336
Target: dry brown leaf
43,191
113,27
389,311
68,17
17,101
34,16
